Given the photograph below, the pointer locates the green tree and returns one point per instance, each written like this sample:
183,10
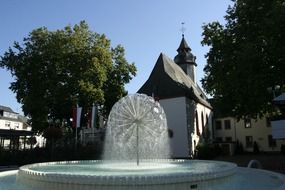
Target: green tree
246,56
117,77
54,70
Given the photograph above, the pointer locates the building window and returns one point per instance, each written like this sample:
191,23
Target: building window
248,141
247,123
227,124
271,141
8,124
229,139
203,125
16,125
218,125
219,139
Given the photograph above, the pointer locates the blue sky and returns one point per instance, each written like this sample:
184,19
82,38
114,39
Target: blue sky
144,27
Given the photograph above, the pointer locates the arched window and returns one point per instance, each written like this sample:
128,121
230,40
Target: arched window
206,131
203,124
197,123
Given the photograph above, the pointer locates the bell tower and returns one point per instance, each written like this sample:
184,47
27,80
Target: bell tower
185,59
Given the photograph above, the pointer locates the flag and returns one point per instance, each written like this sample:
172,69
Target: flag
76,116
93,116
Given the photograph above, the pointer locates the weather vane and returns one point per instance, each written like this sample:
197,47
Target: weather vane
182,28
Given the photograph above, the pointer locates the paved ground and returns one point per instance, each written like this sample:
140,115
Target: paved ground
273,162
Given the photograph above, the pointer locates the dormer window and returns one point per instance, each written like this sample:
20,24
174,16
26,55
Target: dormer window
10,115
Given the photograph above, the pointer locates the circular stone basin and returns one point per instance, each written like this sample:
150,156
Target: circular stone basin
149,175
102,174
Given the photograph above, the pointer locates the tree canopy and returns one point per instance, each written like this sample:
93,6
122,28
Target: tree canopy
246,57
55,70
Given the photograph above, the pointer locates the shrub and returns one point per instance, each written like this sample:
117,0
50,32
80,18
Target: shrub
207,151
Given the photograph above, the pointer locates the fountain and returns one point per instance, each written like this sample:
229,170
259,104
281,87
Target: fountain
136,156
137,128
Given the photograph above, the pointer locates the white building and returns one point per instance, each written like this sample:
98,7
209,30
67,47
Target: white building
173,84
14,130
229,130
266,133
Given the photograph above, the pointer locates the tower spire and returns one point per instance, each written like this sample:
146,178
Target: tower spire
185,59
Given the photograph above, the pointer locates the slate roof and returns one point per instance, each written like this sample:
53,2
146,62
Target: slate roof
6,109
168,80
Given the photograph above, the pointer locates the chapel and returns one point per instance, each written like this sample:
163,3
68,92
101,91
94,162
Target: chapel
173,83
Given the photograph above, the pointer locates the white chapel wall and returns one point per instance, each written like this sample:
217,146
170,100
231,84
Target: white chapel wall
175,110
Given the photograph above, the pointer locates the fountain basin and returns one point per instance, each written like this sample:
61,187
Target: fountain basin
151,174
95,173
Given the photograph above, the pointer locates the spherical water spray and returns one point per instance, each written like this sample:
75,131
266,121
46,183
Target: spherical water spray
136,128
